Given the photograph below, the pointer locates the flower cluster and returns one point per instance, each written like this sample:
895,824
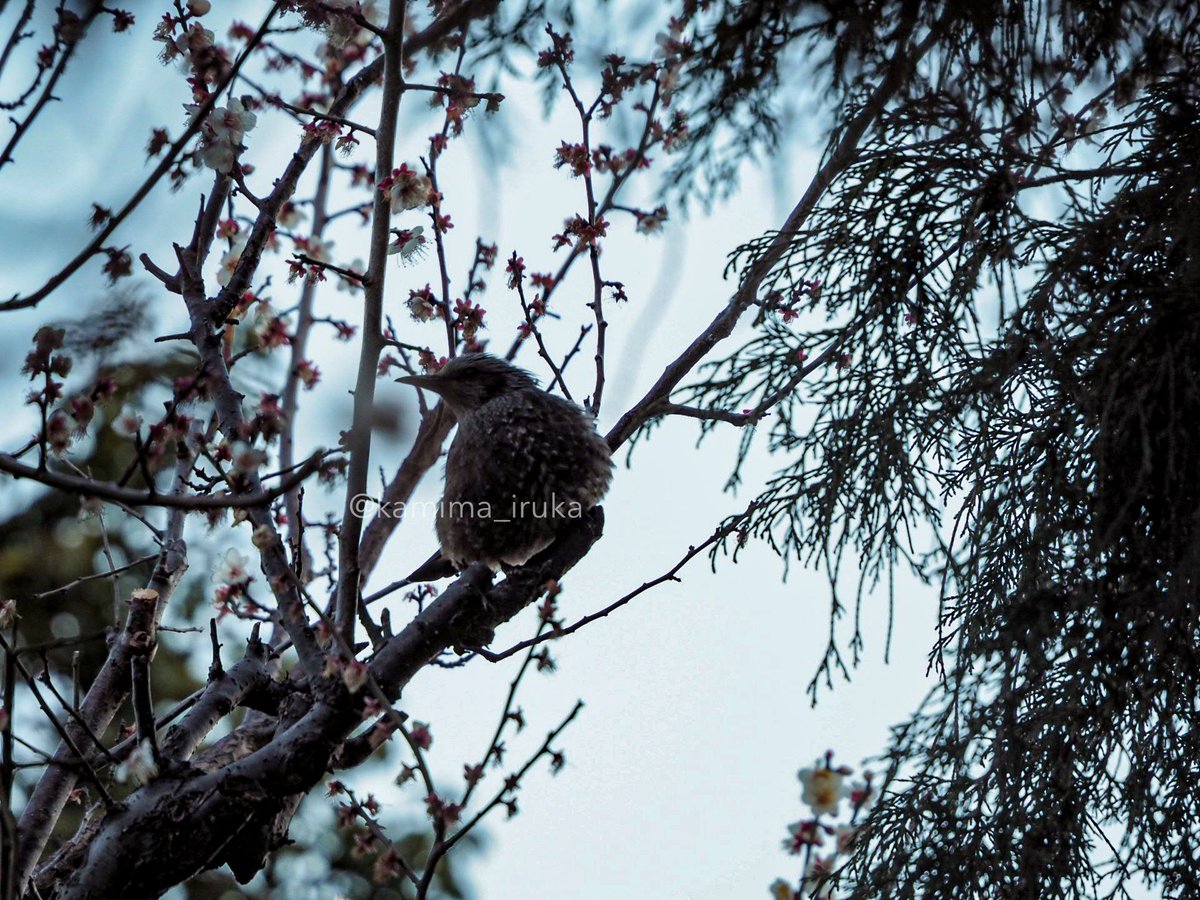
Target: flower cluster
651,222
222,132
468,318
44,363
185,39
229,261
344,28
440,811
232,578
823,788
322,131
429,362
606,159
575,156
561,52
406,188
459,96
581,232
617,77
422,305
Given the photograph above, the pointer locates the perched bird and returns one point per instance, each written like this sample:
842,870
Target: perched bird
523,464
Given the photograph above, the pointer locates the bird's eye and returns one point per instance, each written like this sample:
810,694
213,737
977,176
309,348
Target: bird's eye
493,386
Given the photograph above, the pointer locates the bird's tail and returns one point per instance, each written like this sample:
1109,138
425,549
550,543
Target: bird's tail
435,568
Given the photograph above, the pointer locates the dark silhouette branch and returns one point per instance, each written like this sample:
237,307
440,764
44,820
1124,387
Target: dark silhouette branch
87,487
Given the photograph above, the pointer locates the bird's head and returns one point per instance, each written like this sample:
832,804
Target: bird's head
471,380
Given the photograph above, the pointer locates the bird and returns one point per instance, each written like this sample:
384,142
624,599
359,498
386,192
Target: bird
524,463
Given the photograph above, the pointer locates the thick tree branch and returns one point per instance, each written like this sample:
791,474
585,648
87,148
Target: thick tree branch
143,847
224,693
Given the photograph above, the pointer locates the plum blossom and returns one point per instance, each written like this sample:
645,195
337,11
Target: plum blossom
232,122
823,788
245,458
195,39
290,215
222,133
408,242
350,284
308,374
343,30
229,262
861,792
421,735
233,570
139,766
407,189
422,305
805,833
127,423
817,883
651,222
315,248
58,432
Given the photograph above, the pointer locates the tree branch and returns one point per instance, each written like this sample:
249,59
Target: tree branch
841,155
224,693
359,441
103,490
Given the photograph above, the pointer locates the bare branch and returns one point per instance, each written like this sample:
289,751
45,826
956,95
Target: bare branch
837,159
87,487
225,691
106,694
670,575
359,442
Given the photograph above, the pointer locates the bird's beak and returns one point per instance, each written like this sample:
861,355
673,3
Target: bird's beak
429,382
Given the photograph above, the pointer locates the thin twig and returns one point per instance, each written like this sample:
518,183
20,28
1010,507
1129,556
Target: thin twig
837,159
58,726
669,575
359,442
84,579
514,779
505,715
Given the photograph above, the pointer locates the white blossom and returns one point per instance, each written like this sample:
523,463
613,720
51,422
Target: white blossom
139,766
233,569
823,789
127,423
